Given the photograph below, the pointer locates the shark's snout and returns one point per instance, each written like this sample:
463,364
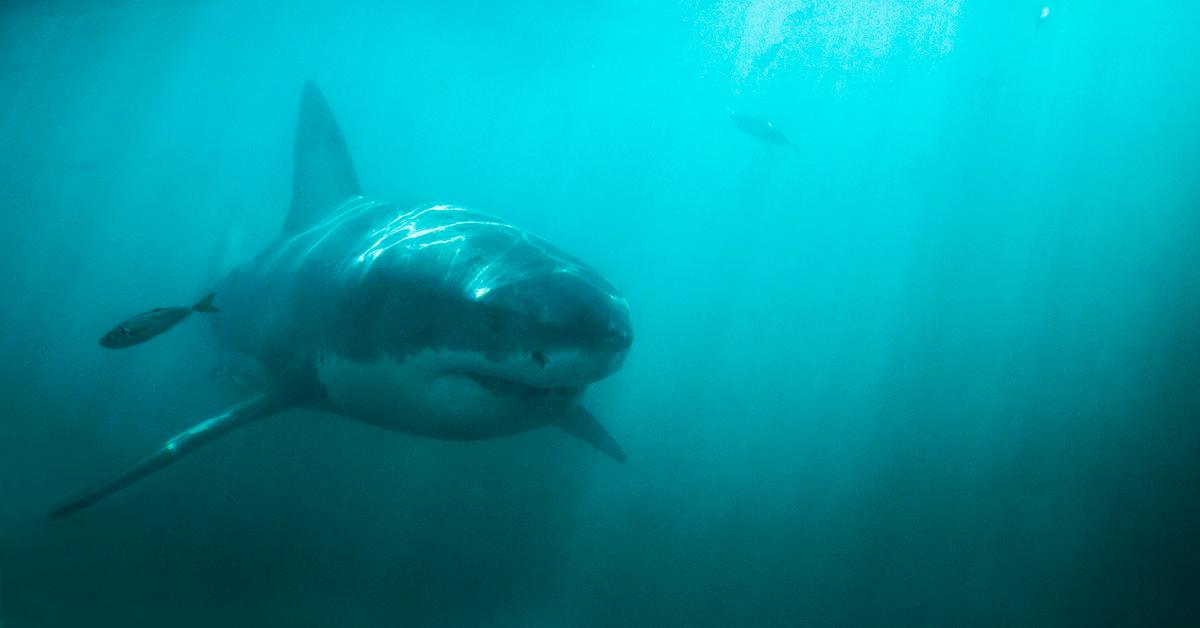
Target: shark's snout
569,310
616,337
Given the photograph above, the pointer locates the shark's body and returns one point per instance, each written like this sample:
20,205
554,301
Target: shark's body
429,319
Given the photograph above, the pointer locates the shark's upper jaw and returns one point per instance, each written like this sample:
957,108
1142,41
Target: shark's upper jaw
454,394
538,374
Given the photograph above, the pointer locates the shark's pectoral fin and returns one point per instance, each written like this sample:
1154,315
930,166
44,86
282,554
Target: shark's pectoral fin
580,423
286,395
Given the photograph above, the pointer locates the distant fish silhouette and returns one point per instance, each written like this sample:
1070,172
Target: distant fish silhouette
762,129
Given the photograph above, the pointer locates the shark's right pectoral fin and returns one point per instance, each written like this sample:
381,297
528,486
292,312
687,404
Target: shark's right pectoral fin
580,423
257,407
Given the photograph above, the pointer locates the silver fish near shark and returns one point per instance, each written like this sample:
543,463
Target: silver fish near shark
429,319
147,325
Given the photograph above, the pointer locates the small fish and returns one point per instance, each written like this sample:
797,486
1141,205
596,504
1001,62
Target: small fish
147,325
762,129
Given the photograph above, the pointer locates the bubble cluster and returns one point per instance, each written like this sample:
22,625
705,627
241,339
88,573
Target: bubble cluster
768,36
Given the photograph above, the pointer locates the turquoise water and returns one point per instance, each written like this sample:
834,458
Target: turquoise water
937,366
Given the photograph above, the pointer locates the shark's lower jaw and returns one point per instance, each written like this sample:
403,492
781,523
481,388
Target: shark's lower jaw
444,395
509,388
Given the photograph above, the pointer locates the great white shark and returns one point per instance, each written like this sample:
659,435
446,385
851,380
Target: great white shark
429,319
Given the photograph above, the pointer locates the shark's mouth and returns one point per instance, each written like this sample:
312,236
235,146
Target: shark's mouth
508,388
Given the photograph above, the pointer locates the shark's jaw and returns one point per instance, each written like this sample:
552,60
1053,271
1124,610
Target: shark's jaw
461,395
501,387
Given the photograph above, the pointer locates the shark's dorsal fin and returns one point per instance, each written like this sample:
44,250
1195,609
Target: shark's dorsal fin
324,176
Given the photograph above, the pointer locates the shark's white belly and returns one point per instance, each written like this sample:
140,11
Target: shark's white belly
427,394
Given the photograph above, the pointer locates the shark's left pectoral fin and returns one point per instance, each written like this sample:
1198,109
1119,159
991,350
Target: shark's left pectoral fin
289,392
580,423
183,443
